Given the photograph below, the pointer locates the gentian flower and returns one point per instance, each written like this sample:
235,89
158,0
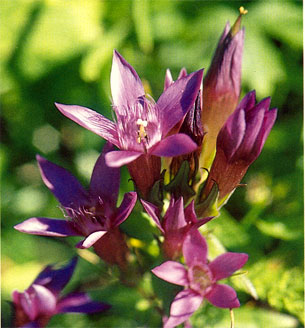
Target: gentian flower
199,279
36,305
93,213
176,224
221,86
239,143
142,126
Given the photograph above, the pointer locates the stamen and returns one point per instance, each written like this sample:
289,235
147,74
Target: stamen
141,130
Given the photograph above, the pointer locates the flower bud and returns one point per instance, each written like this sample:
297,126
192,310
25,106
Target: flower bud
221,86
239,143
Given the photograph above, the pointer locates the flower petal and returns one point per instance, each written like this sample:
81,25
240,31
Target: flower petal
152,211
47,227
91,120
105,180
121,157
194,249
56,280
168,79
91,239
177,99
223,296
184,305
127,205
80,303
173,272
126,86
62,183
226,264
174,145
174,218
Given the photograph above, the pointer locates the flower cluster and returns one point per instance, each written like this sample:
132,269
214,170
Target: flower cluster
196,123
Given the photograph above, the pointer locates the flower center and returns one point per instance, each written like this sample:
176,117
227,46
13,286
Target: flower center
201,278
88,219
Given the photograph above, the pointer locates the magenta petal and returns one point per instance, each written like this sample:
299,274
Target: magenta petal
121,157
173,272
194,249
223,296
168,79
80,303
47,227
126,86
91,239
177,99
174,218
127,205
56,280
105,180
226,264
190,214
90,120
153,211
184,305
62,183
174,145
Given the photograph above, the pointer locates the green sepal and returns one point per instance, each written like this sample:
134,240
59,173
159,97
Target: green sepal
179,186
208,207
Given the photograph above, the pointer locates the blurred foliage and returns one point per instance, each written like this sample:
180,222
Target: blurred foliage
53,50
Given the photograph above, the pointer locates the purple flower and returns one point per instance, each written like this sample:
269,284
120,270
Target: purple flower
176,224
200,279
221,86
141,126
239,143
42,300
94,213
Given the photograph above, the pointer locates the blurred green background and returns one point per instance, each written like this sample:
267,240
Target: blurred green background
61,50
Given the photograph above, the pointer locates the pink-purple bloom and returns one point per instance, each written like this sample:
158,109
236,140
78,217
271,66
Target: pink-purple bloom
200,279
141,126
37,304
94,213
176,224
240,142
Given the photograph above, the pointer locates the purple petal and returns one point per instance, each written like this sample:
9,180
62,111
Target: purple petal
190,214
91,239
182,73
105,180
174,145
126,86
153,212
177,99
62,183
232,133
91,120
226,264
223,296
173,272
47,227
37,300
269,119
248,101
174,218
168,79
184,305
127,205
121,157
80,303
56,280
194,249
